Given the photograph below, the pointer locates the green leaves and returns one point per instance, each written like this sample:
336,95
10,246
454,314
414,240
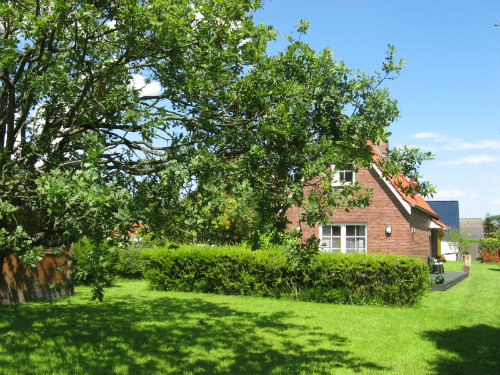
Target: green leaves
177,105
77,203
407,161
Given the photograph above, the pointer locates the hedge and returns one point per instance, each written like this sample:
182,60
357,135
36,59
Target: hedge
490,243
334,278
130,263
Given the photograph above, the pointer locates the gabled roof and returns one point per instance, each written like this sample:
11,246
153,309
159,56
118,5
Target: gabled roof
399,183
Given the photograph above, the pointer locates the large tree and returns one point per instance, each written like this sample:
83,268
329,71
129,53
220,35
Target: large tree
171,112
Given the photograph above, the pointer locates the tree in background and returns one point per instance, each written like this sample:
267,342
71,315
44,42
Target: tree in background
170,112
491,225
458,241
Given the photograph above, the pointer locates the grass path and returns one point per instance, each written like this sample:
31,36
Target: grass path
141,331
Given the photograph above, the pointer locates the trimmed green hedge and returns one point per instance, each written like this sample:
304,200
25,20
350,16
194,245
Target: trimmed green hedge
335,278
367,279
130,263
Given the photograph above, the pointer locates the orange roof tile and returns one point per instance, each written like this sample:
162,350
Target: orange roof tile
401,182
442,225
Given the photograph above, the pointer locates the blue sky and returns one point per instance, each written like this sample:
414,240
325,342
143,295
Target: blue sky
448,92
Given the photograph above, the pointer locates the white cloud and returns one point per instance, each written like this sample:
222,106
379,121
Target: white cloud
427,135
138,82
447,144
483,144
449,194
473,159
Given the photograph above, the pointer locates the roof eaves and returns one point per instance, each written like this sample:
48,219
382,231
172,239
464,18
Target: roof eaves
393,189
433,214
439,224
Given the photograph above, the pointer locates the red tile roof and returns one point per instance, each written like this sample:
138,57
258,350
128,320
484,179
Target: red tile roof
441,224
401,183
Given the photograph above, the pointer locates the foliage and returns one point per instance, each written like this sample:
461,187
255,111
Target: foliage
458,241
300,253
336,278
223,270
94,265
176,104
490,256
271,240
407,161
491,225
490,243
130,263
367,279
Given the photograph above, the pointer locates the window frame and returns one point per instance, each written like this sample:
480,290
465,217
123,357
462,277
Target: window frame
343,238
336,176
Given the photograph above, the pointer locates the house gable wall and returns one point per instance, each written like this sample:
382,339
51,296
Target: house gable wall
410,234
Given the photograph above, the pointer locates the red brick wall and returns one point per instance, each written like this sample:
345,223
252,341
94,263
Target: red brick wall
384,210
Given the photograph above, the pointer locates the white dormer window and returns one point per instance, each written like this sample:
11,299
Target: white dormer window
343,176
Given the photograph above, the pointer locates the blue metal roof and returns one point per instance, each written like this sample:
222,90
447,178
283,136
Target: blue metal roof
448,212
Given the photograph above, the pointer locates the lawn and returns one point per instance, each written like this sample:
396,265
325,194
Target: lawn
140,331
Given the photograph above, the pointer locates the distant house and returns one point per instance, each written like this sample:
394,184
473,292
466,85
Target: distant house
472,228
393,223
449,211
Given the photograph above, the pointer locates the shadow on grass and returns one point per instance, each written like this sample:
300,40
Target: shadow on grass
165,335
471,350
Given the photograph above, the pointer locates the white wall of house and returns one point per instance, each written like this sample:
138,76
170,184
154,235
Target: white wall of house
448,251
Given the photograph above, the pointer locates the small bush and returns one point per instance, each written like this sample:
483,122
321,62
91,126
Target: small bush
489,250
490,244
94,262
336,278
130,264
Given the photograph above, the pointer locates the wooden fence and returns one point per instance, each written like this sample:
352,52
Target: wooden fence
49,280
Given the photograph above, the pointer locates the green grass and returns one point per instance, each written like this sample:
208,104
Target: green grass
140,331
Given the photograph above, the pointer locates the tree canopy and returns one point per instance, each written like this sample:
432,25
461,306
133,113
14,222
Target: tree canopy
172,113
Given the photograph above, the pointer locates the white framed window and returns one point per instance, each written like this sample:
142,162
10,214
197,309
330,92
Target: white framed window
343,176
346,238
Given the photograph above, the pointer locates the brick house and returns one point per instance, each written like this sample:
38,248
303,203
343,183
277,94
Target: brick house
393,223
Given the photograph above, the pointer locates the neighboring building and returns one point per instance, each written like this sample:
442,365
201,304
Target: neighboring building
393,223
472,228
449,212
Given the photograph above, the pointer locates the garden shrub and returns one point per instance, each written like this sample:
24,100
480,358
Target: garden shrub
490,256
490,243
334,278
222,270
489,250
94,261
130,264
367,279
